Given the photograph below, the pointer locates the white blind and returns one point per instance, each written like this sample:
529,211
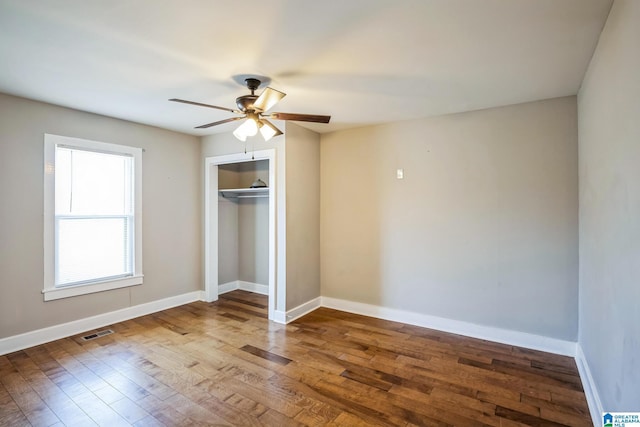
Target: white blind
94,216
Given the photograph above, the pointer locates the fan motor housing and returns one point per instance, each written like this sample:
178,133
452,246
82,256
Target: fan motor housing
245,102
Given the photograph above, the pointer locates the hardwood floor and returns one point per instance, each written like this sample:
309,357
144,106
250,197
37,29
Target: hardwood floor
225,364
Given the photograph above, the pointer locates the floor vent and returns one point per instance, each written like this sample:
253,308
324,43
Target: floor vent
97,335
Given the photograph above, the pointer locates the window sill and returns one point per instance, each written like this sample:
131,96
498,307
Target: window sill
72,291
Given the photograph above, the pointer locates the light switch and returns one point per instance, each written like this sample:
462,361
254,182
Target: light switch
400,174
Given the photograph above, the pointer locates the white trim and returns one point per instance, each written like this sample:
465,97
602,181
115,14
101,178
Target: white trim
280,298
302,309
274,287
71,291
589,386
52,333
210,232
276,247
279,316
245,286
253,287
505,336
49,212
228,287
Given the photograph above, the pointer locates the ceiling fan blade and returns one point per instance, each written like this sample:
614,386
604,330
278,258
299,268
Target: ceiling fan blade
300,117
268,98
232,119
204,105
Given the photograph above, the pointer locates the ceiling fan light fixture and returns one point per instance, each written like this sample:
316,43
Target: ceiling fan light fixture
242,137
268,130
248,128
253,109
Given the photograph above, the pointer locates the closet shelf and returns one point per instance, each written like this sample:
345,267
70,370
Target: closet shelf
244,193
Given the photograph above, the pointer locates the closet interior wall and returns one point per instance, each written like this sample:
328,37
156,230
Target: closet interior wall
243,228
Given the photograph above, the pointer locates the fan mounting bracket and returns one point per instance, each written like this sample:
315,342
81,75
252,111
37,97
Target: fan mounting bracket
252,84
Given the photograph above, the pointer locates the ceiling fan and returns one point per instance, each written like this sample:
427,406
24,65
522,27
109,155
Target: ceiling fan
254,109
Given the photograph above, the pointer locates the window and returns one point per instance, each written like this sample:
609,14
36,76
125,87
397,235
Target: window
92,228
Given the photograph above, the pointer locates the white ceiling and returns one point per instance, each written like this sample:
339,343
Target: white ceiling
360,61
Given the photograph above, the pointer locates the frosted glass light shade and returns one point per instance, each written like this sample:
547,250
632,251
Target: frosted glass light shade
268,130
248,128
238,134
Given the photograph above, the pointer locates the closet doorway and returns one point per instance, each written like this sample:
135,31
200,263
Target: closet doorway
240,225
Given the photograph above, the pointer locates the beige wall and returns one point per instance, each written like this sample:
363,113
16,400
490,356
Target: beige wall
171,213
242,175
609,128
303,215
227,240
483,228
253,241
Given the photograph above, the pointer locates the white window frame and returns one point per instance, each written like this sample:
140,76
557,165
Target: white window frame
50,291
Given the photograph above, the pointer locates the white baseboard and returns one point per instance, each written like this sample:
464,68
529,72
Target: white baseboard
505,336
245,286
228,287
303,309
52,333
254,287
280,317
589,386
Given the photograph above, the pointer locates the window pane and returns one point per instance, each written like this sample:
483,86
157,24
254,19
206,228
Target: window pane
93,183
93,248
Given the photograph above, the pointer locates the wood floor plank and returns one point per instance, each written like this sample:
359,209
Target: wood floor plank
224,363
276,398
162,411
10,412
272,357
67,411
29,402
525,419
244,301
275,418
129,410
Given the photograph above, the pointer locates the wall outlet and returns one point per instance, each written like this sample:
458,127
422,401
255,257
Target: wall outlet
400,174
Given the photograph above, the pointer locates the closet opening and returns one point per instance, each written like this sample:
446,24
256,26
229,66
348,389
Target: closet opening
240,244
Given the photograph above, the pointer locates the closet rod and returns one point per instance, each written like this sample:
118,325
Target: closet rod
249,197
